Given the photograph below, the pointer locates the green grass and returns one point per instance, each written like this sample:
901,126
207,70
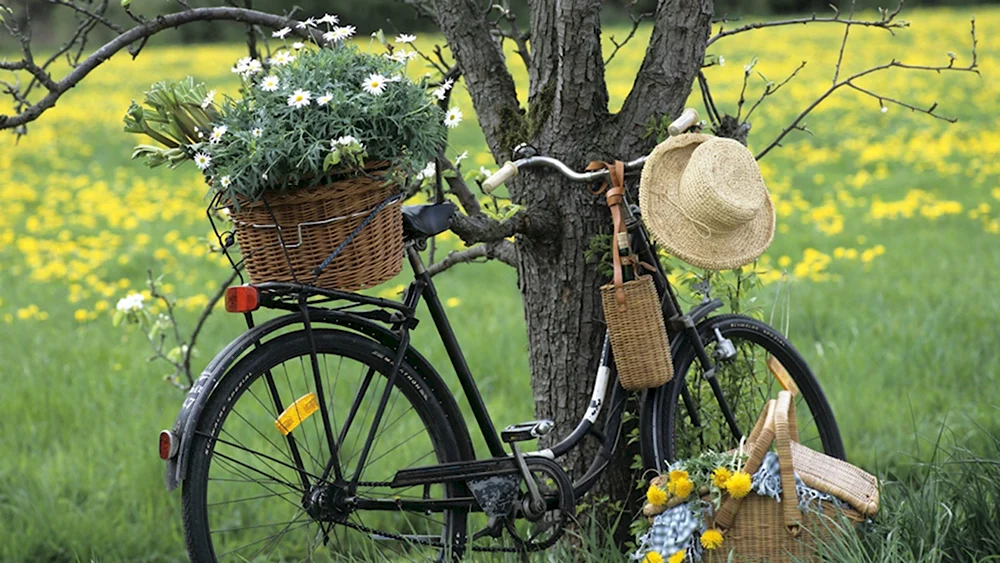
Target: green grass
900,343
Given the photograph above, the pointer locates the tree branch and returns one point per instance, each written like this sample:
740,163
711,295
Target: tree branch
504,251
887,22
636,21
133,35
849,81
480,228
485,71
672,61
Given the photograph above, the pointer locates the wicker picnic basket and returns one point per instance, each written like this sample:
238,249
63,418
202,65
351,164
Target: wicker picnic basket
286,237
756,528
632,308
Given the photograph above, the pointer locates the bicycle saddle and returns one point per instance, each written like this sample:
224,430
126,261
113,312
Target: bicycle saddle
427,220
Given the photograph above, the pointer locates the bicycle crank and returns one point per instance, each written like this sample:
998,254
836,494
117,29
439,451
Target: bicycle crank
535,525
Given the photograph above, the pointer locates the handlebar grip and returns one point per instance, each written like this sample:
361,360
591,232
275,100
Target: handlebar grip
687,119
506,172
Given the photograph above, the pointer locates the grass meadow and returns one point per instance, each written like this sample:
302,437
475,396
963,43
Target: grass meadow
888,238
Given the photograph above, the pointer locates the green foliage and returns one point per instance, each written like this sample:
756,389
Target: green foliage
306,113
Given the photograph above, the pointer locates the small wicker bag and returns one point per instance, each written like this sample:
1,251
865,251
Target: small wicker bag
285,238
632,309
756,528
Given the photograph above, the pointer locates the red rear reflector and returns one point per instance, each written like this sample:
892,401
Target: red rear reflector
242,299
168,447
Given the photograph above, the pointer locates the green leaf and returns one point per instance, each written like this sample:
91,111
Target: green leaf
117,319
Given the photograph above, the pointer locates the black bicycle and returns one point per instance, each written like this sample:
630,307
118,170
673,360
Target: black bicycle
323,435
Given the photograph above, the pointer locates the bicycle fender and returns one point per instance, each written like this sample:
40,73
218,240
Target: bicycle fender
198,395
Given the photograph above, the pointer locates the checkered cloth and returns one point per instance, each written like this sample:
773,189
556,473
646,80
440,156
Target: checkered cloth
681,526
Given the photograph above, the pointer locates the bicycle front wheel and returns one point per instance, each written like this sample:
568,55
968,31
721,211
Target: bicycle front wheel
684,418
254,493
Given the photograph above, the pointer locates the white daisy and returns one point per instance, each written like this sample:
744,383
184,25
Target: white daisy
131,302
405,38
324,99
440,91
241,66
253,67
347,140
217,133
281,33
339,33
257,133
374,84
270,83
298,45
282,58
208,99
461,157
453,118
202,160
300,98
308,23
427,172
329,19
399,56
225,181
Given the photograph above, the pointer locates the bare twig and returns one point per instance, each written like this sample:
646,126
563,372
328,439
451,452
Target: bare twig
849,81
843,44
135,37
770,88
706,96
96,15
887,22
520,39
204,317
636,21
503,251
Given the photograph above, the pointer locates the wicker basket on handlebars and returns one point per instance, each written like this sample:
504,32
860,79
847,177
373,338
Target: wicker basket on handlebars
285,237
632,308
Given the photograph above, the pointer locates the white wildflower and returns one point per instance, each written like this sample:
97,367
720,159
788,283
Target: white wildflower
270,83
217,133
453,118
300,99
405,38
311,22
427,172
722,61
208,99
298,45
241,66
339,33
202,160
257,132
324,99
225,181
253,67
282,58
131,302
347,140
485,171
329,19
461,157
281,33
374,84
440,91
884,109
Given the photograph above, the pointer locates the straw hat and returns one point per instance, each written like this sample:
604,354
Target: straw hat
704,200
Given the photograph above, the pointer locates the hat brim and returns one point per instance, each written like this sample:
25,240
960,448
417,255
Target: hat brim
680,236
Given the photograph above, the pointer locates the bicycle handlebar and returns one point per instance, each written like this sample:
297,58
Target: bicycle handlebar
688,119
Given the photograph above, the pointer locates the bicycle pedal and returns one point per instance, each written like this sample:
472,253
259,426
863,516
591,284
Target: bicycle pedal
527,431
493,529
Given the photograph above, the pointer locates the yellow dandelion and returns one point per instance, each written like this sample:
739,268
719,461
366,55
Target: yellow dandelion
738,485
678,475
720,476
652,557
655,495
683,488
452,302
711,539
678,557
80,315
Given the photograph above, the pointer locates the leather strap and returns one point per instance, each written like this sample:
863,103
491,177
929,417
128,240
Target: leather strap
614,197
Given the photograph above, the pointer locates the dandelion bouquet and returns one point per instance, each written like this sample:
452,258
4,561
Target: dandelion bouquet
308,111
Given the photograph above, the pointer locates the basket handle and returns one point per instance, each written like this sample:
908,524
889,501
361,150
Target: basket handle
619,236
785,427
760,442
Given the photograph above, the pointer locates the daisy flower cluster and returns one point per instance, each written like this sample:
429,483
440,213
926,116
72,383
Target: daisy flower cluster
317,105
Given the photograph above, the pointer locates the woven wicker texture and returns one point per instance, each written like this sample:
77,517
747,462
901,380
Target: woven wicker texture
703,199
830,475
374,256
638,335
757,528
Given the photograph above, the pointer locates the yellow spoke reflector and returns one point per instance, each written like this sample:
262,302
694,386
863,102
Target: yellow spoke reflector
781,374
296,412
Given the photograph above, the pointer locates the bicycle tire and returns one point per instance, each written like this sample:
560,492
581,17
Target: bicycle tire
244,392
665,430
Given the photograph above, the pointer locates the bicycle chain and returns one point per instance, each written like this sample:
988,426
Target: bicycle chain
492,549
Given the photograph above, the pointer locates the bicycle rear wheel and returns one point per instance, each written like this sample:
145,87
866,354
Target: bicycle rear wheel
678,425
253,494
